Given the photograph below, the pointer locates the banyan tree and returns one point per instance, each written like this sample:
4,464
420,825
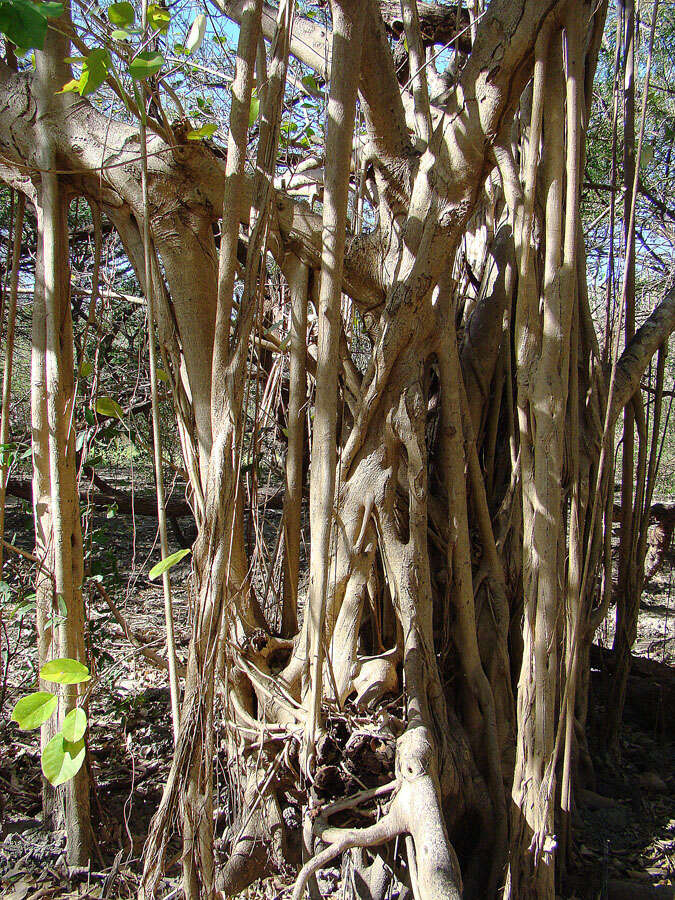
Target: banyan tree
449,430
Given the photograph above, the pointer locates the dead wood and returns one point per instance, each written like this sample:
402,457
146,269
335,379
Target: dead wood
106,496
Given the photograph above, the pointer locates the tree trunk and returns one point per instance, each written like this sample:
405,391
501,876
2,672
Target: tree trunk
441,475
297,274
55,486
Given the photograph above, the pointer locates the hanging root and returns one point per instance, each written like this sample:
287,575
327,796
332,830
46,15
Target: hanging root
415,810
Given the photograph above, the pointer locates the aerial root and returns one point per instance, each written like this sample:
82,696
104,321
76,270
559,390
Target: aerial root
342,839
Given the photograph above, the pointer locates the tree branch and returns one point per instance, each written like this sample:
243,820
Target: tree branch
312,45
635,358
143,505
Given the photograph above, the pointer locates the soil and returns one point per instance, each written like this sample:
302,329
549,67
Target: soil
623,831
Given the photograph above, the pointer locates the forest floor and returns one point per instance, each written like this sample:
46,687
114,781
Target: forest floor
623,833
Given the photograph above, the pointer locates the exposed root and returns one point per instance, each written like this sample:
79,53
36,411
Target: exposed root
415,810
345,839
260,843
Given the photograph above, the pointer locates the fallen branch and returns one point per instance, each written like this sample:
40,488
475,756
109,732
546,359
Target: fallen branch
140,505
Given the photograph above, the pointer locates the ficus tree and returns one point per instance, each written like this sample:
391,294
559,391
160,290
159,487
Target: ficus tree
460,476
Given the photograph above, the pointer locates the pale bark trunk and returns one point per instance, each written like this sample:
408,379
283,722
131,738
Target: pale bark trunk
627,9
542,403
348,18
57,438
297,274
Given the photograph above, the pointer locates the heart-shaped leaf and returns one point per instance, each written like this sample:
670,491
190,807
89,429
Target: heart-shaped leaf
106,406
167,563
74,725
23,23
65,671
95,69
121,14
62,760
145,64
31,711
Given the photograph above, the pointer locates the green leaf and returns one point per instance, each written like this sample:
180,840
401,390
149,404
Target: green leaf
196,35
167,563
86,368
121,14
23,607
65,671
23,23
61,603
119,34
158,18
31,711
54,622
161,374
309,82
62,760
70,87
145,64
106,406
198,134
74,725
7,453
254,110
51,9
95,69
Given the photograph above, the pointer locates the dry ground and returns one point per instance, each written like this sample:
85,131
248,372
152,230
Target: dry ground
623,836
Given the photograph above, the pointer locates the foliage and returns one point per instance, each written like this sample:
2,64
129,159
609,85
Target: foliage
167,563
24,23
63,755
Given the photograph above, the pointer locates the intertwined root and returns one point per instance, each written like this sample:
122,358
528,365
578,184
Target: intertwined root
415,810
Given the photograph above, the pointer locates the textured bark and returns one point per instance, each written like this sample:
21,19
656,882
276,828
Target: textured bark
220,561
541,407
348,19
55,442
634,360
627,10
297,275
433,510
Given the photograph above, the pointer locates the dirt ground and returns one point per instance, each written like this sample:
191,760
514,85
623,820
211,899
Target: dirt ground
623,832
